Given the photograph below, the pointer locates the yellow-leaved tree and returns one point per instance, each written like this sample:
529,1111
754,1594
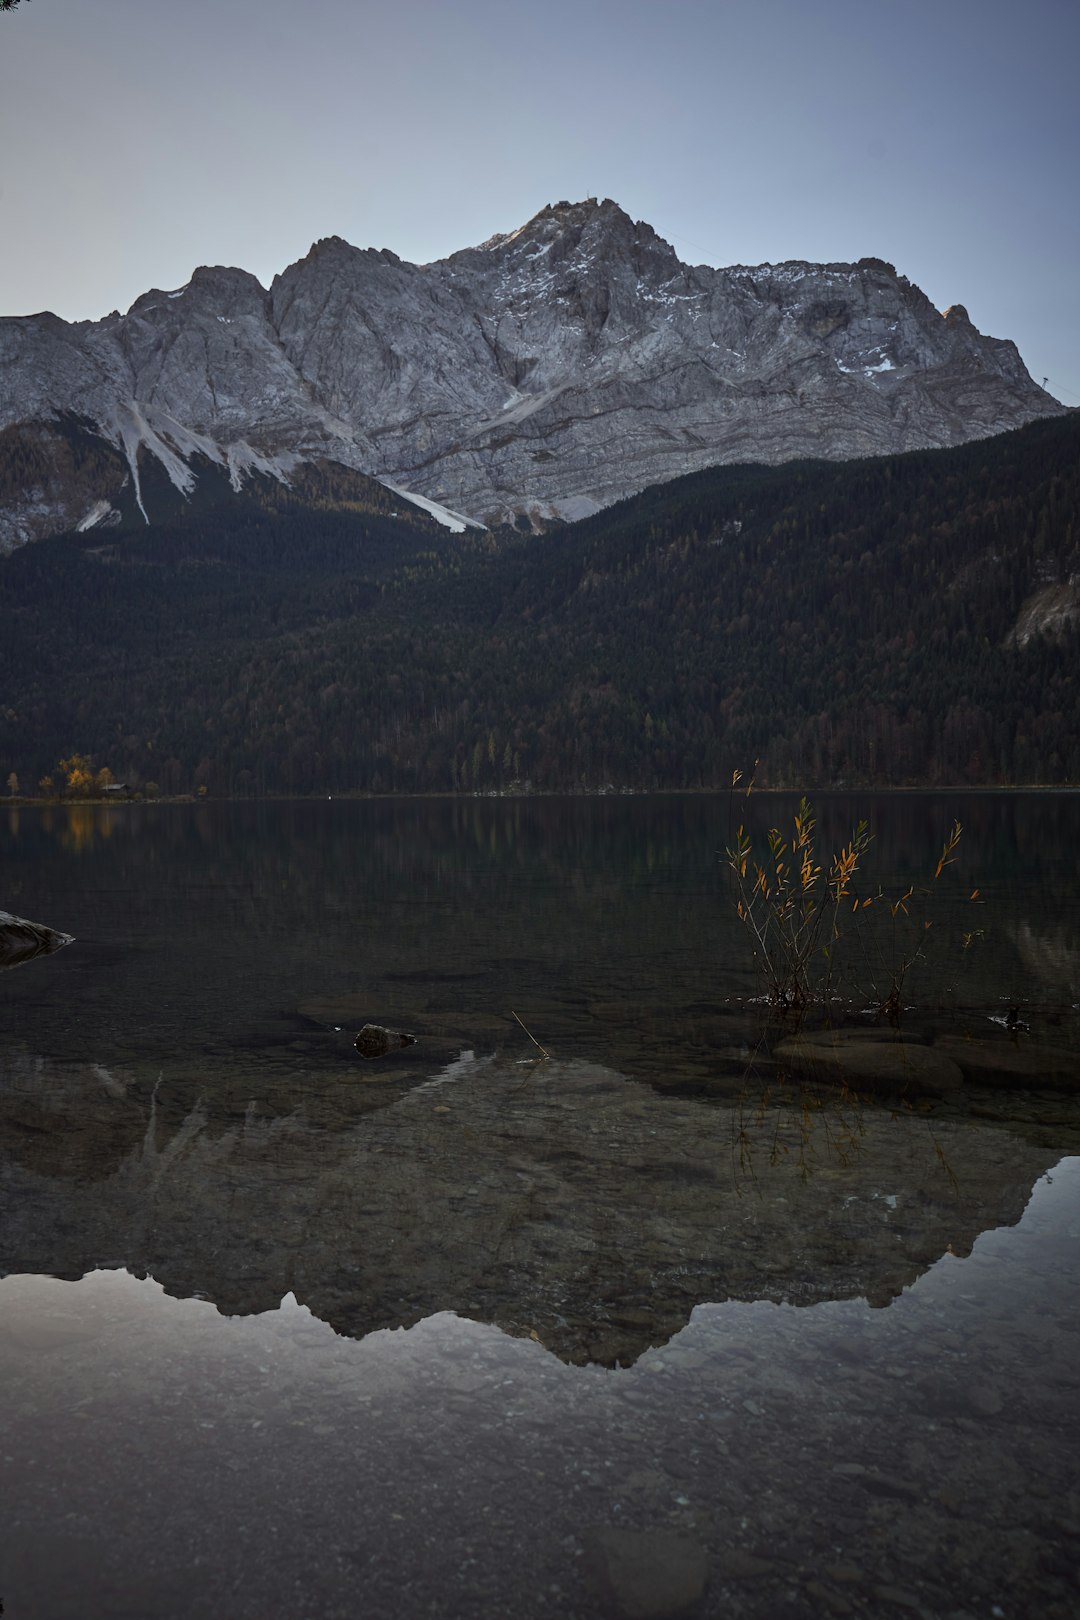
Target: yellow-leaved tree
79,774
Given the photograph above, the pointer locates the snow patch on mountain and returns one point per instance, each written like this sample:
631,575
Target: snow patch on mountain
519,409
243,460
129,429
455,521
96,515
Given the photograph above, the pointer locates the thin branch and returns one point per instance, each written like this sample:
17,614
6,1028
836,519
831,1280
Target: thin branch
531,1036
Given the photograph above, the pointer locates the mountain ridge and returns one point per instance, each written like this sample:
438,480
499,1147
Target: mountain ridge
542,374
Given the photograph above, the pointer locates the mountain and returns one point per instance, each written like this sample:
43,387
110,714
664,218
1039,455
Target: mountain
544,374
910,619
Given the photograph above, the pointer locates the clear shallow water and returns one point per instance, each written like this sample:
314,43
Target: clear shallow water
159,1460
832,1348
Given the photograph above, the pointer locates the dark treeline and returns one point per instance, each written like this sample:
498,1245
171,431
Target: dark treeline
840,622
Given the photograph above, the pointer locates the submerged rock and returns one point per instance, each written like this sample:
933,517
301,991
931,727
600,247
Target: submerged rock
1014,1060
645,1574
374,1041
20,940
68,1122
867,1061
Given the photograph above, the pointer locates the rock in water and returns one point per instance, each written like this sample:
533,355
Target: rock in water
645,1574
854,1058
374,1041
1017,1060
20,940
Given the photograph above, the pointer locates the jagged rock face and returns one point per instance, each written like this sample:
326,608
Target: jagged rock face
550,371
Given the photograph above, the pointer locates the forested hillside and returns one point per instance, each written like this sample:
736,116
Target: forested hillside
841,622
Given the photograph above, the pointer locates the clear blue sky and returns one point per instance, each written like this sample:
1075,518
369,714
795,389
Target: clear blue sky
144,137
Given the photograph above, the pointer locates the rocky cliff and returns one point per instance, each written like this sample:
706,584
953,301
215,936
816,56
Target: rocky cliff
547,372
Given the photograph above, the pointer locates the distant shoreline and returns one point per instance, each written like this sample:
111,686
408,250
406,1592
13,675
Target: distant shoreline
25,802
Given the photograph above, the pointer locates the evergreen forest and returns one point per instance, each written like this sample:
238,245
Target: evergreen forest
877,622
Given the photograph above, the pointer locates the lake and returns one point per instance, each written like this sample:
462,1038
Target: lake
642,1326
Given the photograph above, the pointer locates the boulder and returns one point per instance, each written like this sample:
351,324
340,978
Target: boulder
374,1041
20,940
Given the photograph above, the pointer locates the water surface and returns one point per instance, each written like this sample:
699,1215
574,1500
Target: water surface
282,1332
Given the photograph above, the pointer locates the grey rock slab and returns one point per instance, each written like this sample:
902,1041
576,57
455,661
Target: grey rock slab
645,1574
840,1057
906,1035
732,1564
1013,1061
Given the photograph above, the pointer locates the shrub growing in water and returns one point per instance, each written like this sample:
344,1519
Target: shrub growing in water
793,909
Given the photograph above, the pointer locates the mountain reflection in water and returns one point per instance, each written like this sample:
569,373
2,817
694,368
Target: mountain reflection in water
161,1461
457,1333
557,1199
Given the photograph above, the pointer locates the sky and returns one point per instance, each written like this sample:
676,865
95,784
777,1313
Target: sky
142,138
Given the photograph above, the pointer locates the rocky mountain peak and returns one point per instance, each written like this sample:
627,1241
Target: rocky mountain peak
219,289
588,229
225,281
328,245
547,372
